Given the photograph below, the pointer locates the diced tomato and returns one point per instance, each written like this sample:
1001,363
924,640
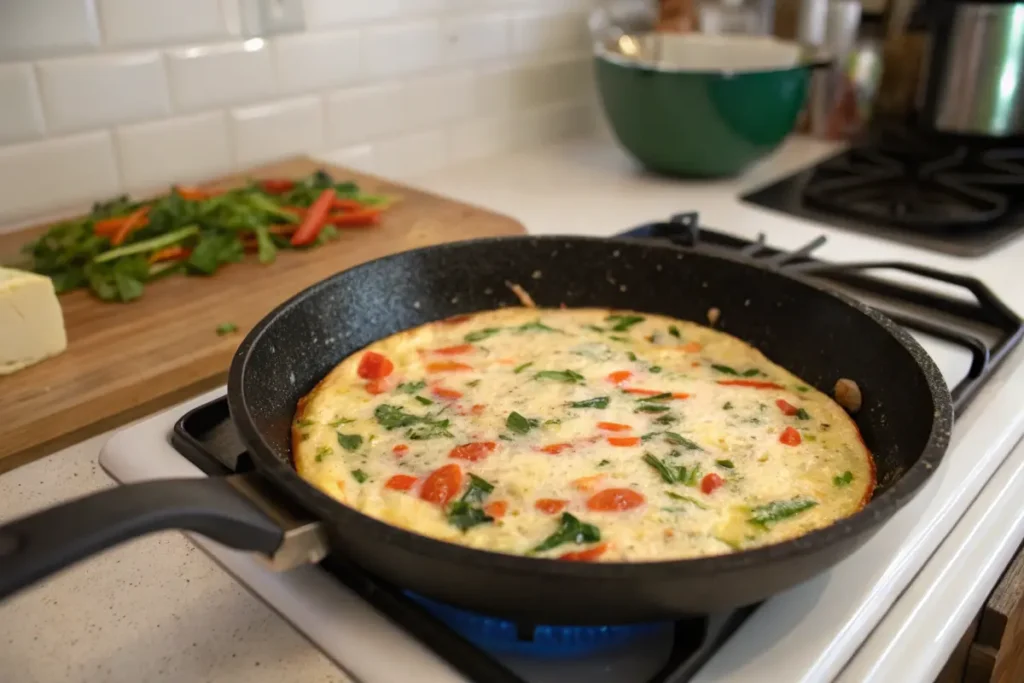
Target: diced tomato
442,485
497,509
400,450
454,350
474,451
786,407
610,500
374,366
447,366
401,482
556,448
588,555
623,441
477,409
752,383
613,427
377,386
679,395
442,392
790,437
550,506
711,482
456,319
619,377
587,483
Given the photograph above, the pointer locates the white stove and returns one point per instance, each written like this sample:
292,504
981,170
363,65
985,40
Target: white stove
867,619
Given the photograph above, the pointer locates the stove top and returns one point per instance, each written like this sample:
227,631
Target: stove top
958,196
805,635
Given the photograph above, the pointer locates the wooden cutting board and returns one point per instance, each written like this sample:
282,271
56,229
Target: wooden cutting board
127,360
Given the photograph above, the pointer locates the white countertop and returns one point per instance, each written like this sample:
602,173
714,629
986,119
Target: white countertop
157,609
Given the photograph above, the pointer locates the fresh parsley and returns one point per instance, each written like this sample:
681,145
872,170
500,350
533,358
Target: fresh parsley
567,376
570,530
340,421
350,442
655,369
630,355
763,515
429,429
604,462
518,424
843,479
599,402
622,323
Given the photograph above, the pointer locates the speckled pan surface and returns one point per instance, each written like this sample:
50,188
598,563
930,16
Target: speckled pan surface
816,335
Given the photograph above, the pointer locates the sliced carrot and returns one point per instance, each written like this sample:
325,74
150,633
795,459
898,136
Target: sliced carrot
790,437
613,427
550,506
610,500
448,366
442,485
354,219
126,228
786,407
400,450
619,376
623,441
448,394
454,350
587,483
473,451
752,383
497,509
588,555
374,365
313,222
556,448
401,482
174,253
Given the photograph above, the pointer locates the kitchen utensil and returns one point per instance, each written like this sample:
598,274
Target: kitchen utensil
905,421
124,360
975,69
691,104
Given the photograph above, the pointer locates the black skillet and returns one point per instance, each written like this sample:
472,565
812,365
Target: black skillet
905,421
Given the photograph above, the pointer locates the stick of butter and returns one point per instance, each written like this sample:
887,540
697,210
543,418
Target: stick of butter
31,322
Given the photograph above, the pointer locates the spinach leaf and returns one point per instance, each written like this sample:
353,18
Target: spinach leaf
465,516
674,331
567,376
570,530
652,408
666,396
654,368
392,417
727,464
666,420
623,322
763,515
350,442
323,452
519,424
480,335
477,490
537,326
429,429
412,387
724,369
843,480
802,414
687,499
680,440
669,474
424,400
520,368
600,402
360,476
753,372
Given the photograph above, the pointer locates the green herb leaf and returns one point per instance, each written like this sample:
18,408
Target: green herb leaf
693,477
843,480
429,429
480,335
537,326
412,387
802,389
623,322
630,355
724,369
670,475
604,462
595,328
518,424
753,372
687,499
680,440
666,420
553,421
424,400
520,368
657,397
477,490
802,414
654,368
727,464
350,442
570,530
340,421
652,408
473,383
727,405
360,476
763,515
226,328
392,417
305,423
567,376
465,516
323,452
674,331
600,402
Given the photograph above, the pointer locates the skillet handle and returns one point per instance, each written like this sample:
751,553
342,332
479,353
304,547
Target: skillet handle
36,546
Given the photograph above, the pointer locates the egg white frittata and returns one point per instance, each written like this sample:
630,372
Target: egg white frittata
581,434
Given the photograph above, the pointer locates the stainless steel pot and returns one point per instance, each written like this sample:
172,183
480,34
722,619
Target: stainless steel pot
973,81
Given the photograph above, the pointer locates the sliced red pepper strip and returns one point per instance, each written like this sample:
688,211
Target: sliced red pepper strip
752,383
355,218
623,441
786,407
474,451
448,394
555,448
550,506
347,204
447,366
175,253
401,482
588,555
613,427
454,350
313,222
134,221
610,500
619,377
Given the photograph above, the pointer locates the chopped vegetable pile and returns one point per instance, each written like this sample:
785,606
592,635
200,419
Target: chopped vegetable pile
124,244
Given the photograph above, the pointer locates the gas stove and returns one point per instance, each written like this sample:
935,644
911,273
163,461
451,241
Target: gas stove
378,633
961,196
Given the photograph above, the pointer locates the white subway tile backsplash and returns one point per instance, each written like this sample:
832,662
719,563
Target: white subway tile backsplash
551,122
434,100
158,22
412,154
358,157
21,116
33,28
402,49
476,38
88,92
541,33
185,149
332,13
56,173
220,75
314,61
366,113
481,138
276,130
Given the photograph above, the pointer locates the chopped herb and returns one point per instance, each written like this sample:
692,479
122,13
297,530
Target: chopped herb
567,376
655,369
477,490
753,372
595,328
724,369
844,479
350,442
305,423
680,440
537,326
392,417
505,437
604,462
465,516
763,515
674,331
623,322
687,499
666,420
669,474
570,530
472,383
425,401
360,476
480,335
323,452
429,429
648,436
727,464
802,414
520,368
341,421
412,387
619,338
226,328
553,421
803,389
630,355
693,478
657,397
727,405
597,402
519,424
652,408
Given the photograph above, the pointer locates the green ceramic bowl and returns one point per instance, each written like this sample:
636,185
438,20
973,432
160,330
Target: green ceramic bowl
696,105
